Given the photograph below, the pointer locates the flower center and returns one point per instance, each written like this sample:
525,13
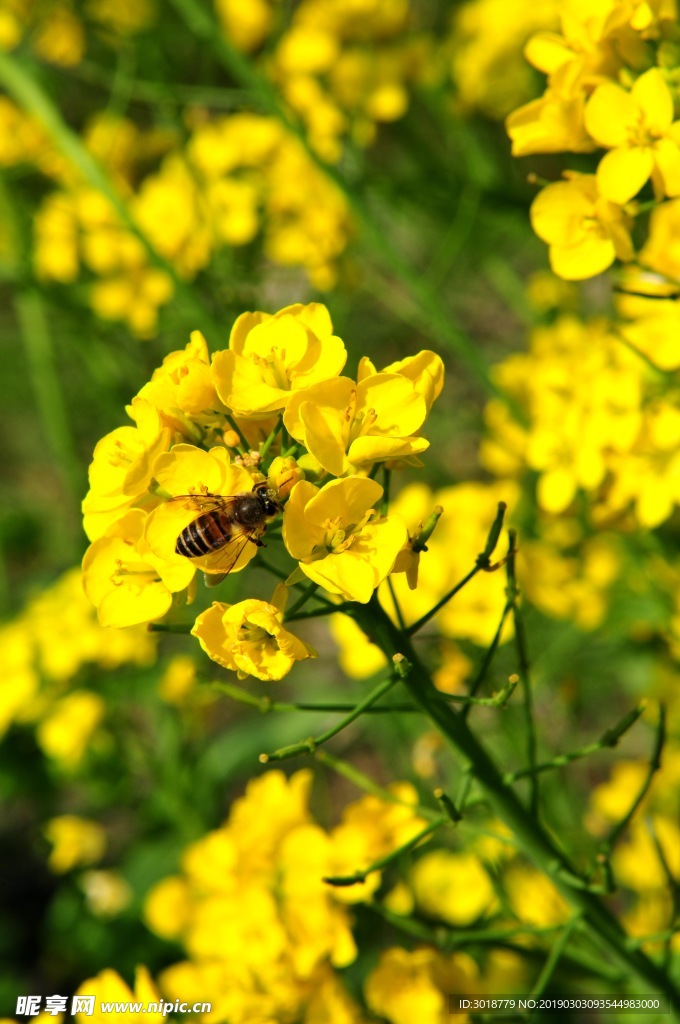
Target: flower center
273,368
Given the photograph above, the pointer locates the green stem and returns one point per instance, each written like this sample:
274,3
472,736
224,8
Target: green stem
488,658
302,600
308,746
554,958
270,440
366,783
314,613
654,765
483,563
609,738
523,667
424,619
447,940
37,340
534,840
395,604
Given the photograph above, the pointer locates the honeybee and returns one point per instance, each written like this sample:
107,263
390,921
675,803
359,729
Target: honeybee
226,524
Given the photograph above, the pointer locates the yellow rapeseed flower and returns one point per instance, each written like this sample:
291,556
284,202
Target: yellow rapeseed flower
249,637
66,731
108,986
188,470
585,231
416,985
338,538
271,357
122,467
638,129
348,426
452,886
125,580
75,841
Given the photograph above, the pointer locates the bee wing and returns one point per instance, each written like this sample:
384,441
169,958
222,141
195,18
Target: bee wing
204,502
223,561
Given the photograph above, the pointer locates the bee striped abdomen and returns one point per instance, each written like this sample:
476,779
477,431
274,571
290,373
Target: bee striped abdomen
210,532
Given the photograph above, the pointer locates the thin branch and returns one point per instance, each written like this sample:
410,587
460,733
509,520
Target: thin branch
483,563
609,738
308,746
523,666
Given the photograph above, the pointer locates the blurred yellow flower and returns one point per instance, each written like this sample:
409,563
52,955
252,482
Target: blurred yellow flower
108,986
402,989
585,231
533,896
452,886
638,129
335,535
661,251
416,985
66,731
75,841
249,637
106,892
636,862
246,25
370,829
357,656
167,908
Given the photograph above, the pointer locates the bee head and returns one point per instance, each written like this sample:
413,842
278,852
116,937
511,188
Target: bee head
268,499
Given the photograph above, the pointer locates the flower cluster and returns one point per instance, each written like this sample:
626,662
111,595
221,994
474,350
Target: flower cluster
487,64
611,87
259,419
236,178
45,647
598,421
261,928
58,35
239,176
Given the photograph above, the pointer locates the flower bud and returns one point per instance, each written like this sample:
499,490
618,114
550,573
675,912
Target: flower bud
284,473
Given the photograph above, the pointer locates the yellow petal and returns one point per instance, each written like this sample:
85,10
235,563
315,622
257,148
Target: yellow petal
346,501
400,410
210,632
547,51
667,160
622,172
557,213
577,262
242,328
556,490
366,450
323,433
609,113
123,606
186,469
344,574
299,536
655,100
